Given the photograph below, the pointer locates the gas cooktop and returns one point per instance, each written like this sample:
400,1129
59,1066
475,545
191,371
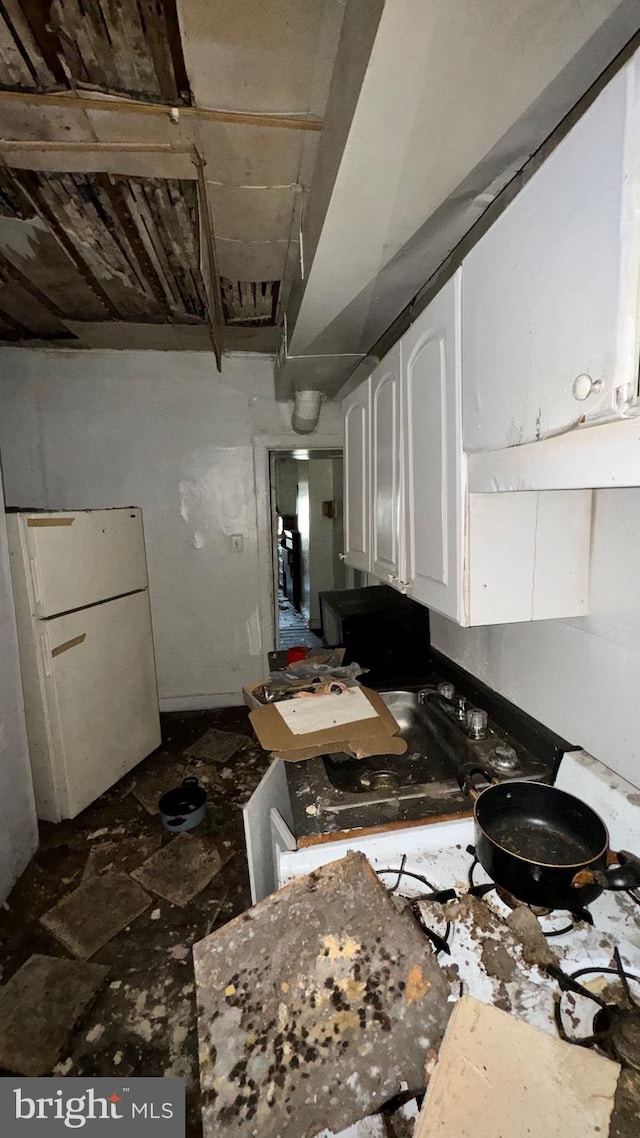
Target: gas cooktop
449,723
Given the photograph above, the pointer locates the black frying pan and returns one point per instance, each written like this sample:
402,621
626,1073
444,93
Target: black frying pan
543,845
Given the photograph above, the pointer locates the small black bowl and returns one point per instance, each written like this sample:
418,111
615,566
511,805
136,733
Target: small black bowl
183,808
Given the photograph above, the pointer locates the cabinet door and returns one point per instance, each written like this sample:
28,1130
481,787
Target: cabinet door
271,792
357,469
385,468
433,460
550,293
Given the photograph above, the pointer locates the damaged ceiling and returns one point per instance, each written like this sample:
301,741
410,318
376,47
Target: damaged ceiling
188,173
156,157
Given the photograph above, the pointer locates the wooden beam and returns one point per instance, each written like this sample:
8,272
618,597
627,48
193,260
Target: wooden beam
66,146
216,318
131,107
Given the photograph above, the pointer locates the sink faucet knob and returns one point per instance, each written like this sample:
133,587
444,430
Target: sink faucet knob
447,691
460,708
477,722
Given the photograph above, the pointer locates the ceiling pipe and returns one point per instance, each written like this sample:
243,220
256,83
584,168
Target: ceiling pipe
306,411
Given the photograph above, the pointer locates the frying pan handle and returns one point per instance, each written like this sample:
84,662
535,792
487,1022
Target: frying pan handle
466,783
625,875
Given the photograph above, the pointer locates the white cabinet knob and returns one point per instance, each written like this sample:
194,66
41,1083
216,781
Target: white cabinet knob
583,386
342,556
392,578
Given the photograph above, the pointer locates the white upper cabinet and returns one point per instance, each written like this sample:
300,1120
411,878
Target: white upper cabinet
433,461
357,477
409,518
386,469
550,292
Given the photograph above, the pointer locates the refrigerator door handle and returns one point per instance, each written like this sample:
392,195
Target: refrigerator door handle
35,580
46,654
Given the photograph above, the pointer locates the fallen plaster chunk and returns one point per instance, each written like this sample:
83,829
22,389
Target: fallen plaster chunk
322,984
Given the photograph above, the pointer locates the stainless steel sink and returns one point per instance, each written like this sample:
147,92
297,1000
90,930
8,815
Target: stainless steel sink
428,757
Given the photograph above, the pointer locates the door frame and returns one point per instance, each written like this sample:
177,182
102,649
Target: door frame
263,448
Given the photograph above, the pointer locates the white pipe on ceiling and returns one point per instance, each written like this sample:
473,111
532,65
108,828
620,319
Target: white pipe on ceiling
306,411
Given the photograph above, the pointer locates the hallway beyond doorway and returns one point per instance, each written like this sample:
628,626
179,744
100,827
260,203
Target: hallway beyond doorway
293,628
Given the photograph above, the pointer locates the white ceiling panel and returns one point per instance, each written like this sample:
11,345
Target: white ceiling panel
125,126
252,214
251,155
257,56
128,336
31,121
251,261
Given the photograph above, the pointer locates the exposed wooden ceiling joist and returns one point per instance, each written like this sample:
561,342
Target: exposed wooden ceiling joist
132,247
117,106
131,48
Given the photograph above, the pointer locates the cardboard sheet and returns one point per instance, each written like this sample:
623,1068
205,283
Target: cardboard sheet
375,734
318,712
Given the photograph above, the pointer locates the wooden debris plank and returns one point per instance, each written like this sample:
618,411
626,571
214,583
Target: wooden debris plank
120,47
177,217
13,202
164,219
183,201
174,41
84,236
146,218
14,68
37,69
42,41
100,243
140,220
76,48
154,21
114,189
131,61
497,1075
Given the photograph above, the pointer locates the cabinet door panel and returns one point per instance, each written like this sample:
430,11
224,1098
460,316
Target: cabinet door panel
550,292
385,467
434,505
357,475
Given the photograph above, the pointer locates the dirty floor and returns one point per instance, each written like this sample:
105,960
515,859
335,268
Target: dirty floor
293,628
143,1021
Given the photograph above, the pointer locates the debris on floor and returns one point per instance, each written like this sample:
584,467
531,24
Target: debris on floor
216,746
323,984
39,1007
182,868
372,1127
162,773
497,1074
92,914
124,854
149,961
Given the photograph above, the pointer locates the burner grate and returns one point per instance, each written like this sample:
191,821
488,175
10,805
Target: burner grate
579,914
616,1026
440,942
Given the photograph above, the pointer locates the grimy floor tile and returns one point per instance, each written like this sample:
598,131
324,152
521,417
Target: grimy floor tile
39,1007
159,777
92,914
217,746
182,868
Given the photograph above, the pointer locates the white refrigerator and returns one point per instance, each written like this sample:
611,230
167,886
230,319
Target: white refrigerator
86,651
